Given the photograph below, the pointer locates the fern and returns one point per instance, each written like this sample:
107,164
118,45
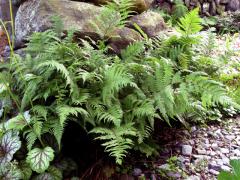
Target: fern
62,69
114,16
115,79
117,99
64,111
132,52
179,11
123,7
117,140
190,24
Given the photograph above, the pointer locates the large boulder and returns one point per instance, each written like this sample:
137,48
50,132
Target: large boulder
122,38
5,13
233,5
150,22
139,5
35,16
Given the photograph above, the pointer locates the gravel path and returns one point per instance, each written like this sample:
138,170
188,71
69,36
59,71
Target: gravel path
203,151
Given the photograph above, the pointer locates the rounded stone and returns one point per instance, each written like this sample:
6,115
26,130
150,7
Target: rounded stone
187,150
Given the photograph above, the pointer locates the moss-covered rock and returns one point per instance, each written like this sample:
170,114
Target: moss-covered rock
139,5
35,16
150,22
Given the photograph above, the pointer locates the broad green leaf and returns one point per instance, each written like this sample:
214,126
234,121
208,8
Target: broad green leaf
39,159
26,170
226,176
236,167
234,175
45,176
52,173
10,171
9,145
3,87
18,122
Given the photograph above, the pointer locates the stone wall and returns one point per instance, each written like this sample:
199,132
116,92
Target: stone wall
207,7
214,7
5,13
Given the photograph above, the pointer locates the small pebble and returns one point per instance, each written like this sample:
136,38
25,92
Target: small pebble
214,172
187,150
137,172
224,150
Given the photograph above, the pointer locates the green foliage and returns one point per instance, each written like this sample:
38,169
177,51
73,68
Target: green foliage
115,99
116,140
179,11
52,173
172,16
190,24
114,16
10,171
9,145
39,159
235,174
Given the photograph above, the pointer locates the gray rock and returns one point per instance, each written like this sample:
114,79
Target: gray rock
214,172
201,156
214,166
193,129
35,16
193,177
174,174
224,150
211,134
218,132
164,167
219,162
206,141
201,151
187,150
230,137
122,38
236,152
233,5
225,168
212,153
137,172
183,159
234,157
150,22
225,161
190,142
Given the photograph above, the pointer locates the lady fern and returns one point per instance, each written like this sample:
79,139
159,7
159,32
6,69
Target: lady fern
115,99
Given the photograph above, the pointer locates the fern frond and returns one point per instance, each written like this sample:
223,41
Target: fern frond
64,111
115,78
117,140
123,7
132,52
113,115
190,23
63,70
41,111
31,138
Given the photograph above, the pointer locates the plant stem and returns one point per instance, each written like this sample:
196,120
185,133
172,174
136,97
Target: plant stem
12,24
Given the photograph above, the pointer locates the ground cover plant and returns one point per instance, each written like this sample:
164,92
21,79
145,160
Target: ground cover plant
115,99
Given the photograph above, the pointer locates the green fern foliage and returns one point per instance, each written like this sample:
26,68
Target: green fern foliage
117,99
117,140
190,23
